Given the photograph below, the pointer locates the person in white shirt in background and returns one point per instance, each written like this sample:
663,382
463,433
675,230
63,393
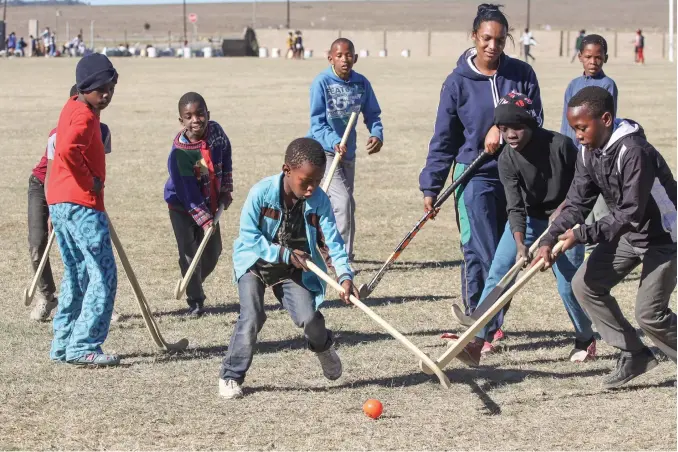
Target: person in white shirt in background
527,41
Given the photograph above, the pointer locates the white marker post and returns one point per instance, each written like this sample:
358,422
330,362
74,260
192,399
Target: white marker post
671,22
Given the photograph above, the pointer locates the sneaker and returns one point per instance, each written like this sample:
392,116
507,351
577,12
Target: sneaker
330,362
488,349
499,335
96,360
195,309
472,353
583,351
43,308
230,389
629,366
115,317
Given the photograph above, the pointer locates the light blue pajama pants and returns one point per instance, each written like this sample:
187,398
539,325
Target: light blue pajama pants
89,283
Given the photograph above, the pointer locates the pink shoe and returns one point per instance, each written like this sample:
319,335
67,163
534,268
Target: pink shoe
580,355
499,335
488,349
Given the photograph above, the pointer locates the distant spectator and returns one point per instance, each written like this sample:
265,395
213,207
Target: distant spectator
639,46
34,46
11,43
298,46
527,41
577,45
20,46
290,45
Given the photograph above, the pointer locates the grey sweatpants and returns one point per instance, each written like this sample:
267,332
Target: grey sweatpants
607,265
341,197
189,235
38,213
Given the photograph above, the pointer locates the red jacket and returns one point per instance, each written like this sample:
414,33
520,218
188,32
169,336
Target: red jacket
79,158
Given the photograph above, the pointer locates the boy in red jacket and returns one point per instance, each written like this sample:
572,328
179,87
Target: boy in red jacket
76,204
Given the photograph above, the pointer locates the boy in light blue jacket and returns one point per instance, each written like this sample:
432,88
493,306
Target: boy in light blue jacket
335,94
285,222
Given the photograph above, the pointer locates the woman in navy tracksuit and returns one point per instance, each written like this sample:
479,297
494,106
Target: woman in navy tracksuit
463,129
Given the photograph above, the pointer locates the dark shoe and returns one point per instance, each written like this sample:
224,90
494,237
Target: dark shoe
96,359
195,309
471,354
629,366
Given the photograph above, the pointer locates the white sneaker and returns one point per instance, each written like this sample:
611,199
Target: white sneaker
229,389
43,308
330,362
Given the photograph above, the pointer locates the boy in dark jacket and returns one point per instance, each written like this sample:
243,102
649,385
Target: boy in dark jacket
536,167
617,161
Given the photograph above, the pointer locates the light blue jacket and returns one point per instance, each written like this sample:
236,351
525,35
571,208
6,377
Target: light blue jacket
332,102
259,221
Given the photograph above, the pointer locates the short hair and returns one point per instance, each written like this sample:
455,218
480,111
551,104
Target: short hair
305,150
346,41
597,100
489,12
74,90
191,98
595,40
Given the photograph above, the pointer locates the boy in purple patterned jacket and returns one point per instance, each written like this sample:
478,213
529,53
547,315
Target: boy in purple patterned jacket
199,182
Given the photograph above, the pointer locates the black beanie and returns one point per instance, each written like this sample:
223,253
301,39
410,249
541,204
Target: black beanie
515,109
94,71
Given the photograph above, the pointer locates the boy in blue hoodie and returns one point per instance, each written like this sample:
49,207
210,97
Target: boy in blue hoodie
335,94
593,55
285,222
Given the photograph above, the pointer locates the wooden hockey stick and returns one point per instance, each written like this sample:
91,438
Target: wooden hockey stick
488,301
470,334
30,291
183,283
337,157
151,325
444,381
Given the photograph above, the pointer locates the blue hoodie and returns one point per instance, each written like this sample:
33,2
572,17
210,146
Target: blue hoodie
259,222
577,85
332,102
466,114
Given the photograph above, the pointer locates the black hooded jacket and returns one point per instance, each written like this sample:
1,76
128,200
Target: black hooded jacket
638,188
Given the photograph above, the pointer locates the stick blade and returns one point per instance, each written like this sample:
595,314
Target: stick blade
27,299
461,316
364,291
177,346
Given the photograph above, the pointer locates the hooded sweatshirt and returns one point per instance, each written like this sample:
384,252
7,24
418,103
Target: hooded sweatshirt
466,113
332,102
637,186
577,85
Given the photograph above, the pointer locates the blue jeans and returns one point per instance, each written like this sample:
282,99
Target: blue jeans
295,298
89,283
564,269
480,206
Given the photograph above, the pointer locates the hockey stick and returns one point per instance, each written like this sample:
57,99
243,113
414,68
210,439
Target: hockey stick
337,157
444,381
367,289
152,327
488,301
183,283
469,334
30,292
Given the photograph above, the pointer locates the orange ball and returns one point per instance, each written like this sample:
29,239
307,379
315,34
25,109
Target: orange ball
373,408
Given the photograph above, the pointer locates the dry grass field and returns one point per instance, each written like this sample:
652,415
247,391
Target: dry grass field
529,397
